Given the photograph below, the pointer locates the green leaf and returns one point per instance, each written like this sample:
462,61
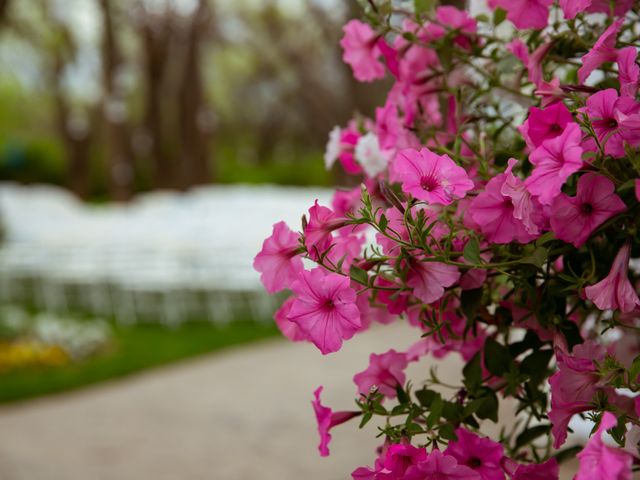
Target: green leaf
471,252
536,364
383,222
537,258
472,372
365,419
498,16
488,408
359,275
567,453
434,412
496,357
403,398
634,371
422,6
470,301
426,397
530,434
447,432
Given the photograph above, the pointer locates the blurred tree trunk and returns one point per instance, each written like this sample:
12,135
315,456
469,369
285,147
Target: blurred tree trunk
117,145
4,8
155,43
194,112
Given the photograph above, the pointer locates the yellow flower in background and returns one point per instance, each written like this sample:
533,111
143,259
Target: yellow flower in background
28,353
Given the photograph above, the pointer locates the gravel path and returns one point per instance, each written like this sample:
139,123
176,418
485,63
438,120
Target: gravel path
243,414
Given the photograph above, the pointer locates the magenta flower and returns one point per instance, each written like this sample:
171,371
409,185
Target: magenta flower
570,8
615,292
573,219
638,189
555,160
604,50
278,262
548,470
429,279
317,233
620,7
628,72
482,455
436,179
360,45
614,120
438,466
573,386
460,20
327,419
287,327
544,124
400,457
504,212
525,13
385,371
601,462
325,308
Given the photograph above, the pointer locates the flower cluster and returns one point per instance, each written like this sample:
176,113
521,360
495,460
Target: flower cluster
498,216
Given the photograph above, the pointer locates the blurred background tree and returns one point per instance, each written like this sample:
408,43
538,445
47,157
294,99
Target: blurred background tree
114,97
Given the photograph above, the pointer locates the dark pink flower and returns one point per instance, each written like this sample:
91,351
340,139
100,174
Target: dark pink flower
615,291
570,8
287,327
400,457
385,371
360,45
525,13
555,160
604,50
628,71
327,419
502,215
543,124
429,279
436,179
438,466
478,453
573,386
638,189
325,308
519,49
317,233
460,20
615,120
573,219
548,470
620,7
601,462
278,262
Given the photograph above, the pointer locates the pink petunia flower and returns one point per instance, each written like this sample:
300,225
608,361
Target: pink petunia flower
615,291
620,7
385,371
604,50
478,453
278,262
615,121
327,419
544,124
601,462
317,233
574,219
494,210
525,13
436,179
638,189
361,51
555,160
519,50
570,8
393,463
573,386
287,327
460,20
325,309
440,466
548,470
429,279
628,71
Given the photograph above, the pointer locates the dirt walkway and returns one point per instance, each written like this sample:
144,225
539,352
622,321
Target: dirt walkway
240,415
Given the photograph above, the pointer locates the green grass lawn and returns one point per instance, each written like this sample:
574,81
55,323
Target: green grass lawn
133,349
